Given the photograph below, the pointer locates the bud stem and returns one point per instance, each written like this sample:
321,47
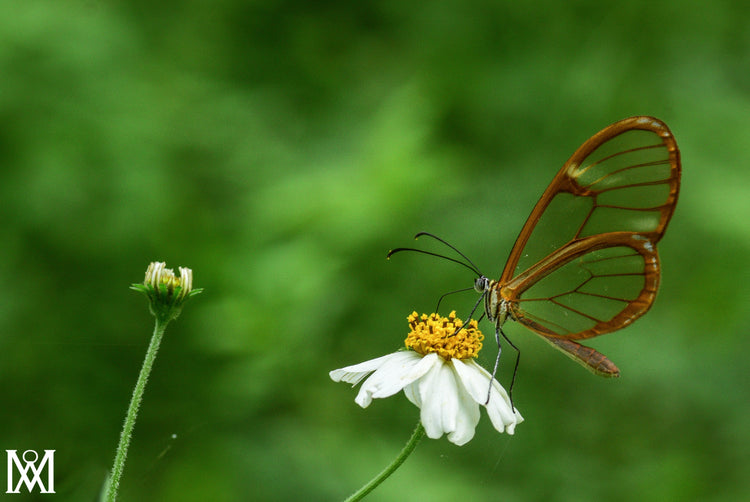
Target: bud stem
135,402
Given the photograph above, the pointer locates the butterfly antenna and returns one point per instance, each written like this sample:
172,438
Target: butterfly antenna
499,331
454,248
398,250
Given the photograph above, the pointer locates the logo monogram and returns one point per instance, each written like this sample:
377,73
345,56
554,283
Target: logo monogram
30,458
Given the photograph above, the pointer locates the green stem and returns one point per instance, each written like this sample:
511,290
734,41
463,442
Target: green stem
410,445
135,402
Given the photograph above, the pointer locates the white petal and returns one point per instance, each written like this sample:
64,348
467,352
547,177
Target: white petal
475,380
412,394
439,395
355,373
395,373
412,390
446,408
467,416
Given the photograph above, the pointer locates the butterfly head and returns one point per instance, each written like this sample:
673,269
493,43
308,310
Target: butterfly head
481,284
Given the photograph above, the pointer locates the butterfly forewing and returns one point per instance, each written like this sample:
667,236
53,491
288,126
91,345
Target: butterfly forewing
585,262
625,178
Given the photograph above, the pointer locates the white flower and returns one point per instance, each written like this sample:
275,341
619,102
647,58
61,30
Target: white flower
448,390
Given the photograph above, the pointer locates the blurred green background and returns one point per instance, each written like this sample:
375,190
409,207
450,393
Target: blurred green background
280,149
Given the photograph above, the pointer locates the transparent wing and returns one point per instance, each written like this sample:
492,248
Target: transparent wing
585,262
623,179
591,287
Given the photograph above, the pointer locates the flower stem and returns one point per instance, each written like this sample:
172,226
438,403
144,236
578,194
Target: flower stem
135,402
410,445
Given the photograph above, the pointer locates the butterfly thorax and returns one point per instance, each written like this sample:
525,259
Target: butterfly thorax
496,307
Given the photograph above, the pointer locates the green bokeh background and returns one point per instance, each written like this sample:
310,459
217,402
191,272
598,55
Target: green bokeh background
279,149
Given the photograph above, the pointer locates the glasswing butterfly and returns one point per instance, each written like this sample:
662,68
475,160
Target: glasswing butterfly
585,262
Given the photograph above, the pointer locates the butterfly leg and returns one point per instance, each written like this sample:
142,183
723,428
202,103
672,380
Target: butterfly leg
468,319
499,331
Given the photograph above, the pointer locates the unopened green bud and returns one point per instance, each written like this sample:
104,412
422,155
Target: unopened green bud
165,291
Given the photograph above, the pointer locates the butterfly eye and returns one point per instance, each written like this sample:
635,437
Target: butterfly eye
481,284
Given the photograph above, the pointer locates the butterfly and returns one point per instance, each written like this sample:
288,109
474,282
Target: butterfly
585,262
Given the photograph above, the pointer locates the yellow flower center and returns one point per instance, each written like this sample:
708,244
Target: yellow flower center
444,335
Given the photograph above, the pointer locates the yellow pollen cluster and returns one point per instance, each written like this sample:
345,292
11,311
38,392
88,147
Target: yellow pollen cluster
435,333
